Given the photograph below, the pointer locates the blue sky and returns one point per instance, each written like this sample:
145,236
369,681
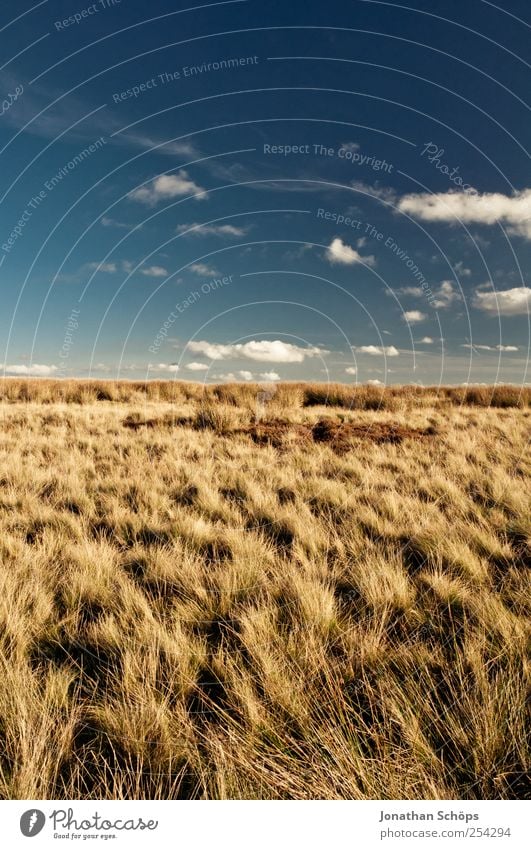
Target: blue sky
249,190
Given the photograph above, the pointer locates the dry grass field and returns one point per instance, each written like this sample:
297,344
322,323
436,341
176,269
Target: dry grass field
227,592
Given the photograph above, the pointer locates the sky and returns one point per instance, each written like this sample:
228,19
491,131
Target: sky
249,190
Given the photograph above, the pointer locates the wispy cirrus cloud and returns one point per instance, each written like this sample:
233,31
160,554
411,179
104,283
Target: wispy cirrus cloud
226,230
204,270
501,348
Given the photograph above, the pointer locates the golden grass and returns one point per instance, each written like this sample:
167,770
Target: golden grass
205,594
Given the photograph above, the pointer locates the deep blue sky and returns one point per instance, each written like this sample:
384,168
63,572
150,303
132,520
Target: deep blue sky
411,122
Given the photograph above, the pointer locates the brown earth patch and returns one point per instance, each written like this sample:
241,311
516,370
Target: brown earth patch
283,434
338,435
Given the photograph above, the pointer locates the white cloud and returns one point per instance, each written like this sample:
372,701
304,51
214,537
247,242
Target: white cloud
442,296
154,271
351,370
340,253
412,291
204,270
264,350
110,222
377,350
171,367
385,193
375,382
351,146
106,267
506,302
445,295
414,316
473,208
211,230
167,186
197,367
234,377
270,375
34,370
426,340
460,269
501,348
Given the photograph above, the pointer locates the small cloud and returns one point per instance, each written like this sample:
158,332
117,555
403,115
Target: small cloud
34,370
168,186
409,291
442,296
111,222
377,350
414,316
212,230
197,367
204,270
170,367
501,348
445,295
340,253
154,271
270,375
507,302
234,377
351,370
374,382
105,267
426,340
461,270
385,193
352,147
